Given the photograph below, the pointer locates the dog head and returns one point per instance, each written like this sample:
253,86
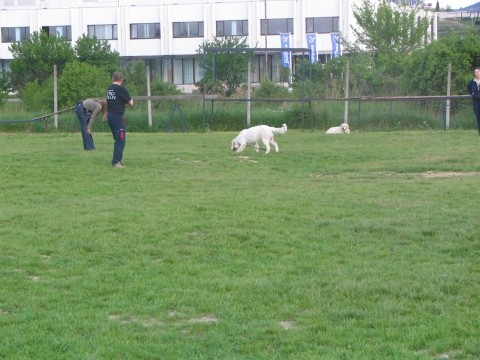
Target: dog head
235,145
345,128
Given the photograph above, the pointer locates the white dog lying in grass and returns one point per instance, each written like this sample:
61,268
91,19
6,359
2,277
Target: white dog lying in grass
253,135
342,129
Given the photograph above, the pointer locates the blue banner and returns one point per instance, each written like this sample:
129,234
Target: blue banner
312,46
285,40
336,50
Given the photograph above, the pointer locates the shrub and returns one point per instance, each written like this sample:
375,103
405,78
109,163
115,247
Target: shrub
268,89
80,81
35,97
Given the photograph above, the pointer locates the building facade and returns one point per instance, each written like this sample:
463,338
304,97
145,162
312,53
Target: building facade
166,34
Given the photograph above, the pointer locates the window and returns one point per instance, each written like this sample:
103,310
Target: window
13,34
324,58
184,71
232,28
188,29
276,26
145,31
59,31
103,32
322,25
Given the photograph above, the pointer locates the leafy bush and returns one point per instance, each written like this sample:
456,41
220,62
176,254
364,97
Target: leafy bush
6,81
80,81
36,97
162,88
268,89
135,78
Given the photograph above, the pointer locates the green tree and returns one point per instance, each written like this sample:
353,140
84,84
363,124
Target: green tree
224,64
34,58
80,81
386,34
467,46
97,53
3,98
5,86
319,80
425,71
6,81
385,28
135,78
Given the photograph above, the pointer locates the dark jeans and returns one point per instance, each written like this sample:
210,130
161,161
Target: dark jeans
117,125
476,111
83,118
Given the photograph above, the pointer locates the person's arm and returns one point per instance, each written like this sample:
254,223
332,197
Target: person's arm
98,108
127,97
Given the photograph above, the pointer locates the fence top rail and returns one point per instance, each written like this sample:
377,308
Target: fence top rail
389,98
358,98
175,97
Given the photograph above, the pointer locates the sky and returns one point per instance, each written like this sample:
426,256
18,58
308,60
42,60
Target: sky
454,4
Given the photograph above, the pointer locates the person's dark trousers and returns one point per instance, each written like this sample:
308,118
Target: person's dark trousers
476,111
86,137
117,125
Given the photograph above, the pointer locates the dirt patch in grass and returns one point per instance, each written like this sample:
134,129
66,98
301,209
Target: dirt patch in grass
287,325
206,319
246,158
444,174
425,175
134,319
203,319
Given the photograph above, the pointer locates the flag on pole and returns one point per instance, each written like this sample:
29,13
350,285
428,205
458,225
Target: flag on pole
285,40
312,46
336,49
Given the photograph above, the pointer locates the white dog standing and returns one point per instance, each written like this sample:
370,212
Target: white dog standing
342,129
253,135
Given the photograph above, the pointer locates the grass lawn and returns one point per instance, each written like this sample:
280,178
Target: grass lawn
360,246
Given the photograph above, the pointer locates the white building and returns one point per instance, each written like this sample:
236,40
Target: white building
167,33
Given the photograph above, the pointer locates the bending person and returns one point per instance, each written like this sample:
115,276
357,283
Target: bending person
87,111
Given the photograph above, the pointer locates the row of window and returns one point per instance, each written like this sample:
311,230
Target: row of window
187,71
319,25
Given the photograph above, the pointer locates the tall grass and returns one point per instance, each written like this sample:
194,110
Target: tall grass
232,116
339,247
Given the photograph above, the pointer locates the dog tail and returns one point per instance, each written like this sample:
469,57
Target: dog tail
281,130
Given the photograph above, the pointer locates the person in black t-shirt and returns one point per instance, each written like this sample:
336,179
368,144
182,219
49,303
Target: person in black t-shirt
473,88
117,99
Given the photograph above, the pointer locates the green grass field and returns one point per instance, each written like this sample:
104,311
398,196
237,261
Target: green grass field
363,246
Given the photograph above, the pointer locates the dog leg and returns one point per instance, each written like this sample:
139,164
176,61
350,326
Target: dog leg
267,145
242,147
255,146
274,144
